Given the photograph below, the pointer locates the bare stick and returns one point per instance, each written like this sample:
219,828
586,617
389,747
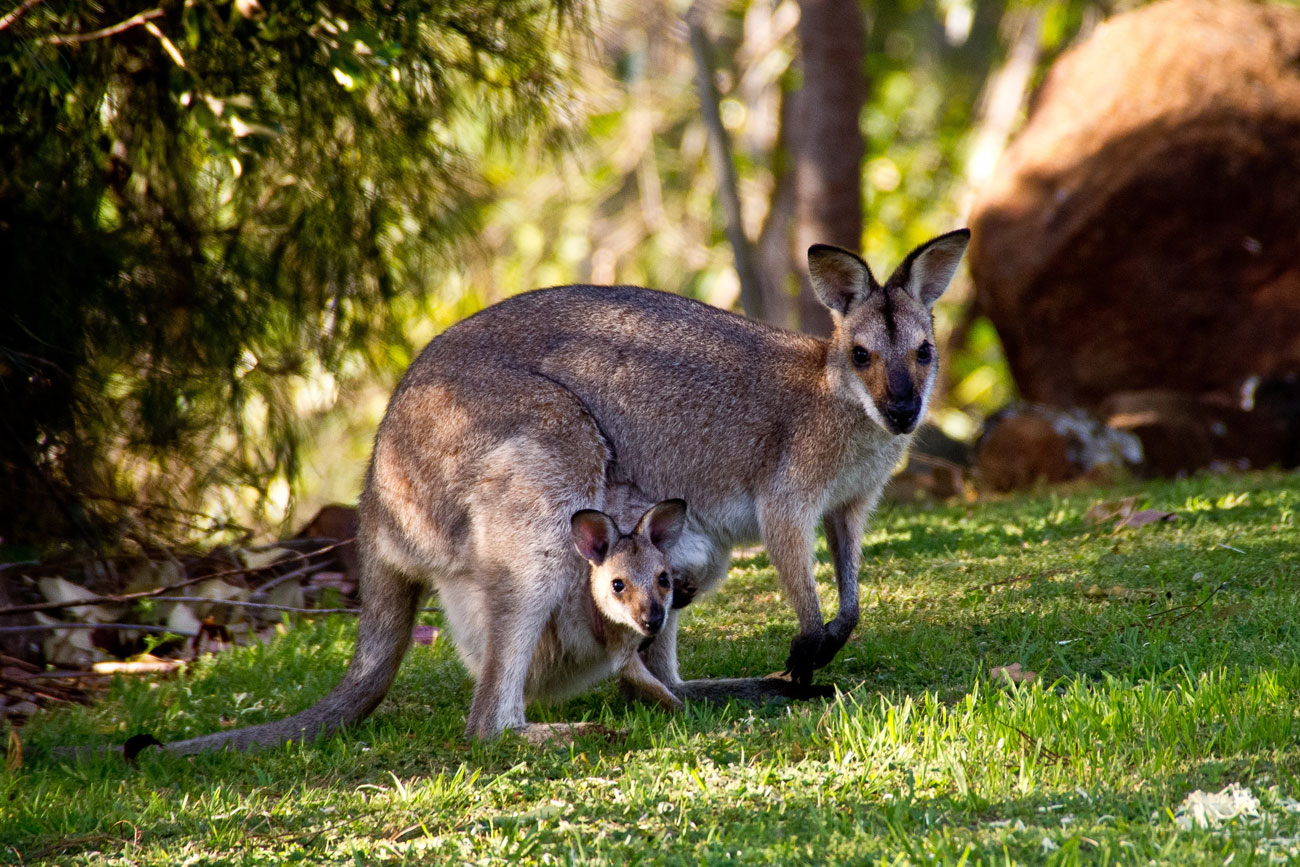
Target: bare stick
1187,610
16,14
103,33
47,627
159,591
278,580
261,606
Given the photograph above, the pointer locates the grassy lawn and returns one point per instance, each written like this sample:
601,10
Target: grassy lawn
1167,661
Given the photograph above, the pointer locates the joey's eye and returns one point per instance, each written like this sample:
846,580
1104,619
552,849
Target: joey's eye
861,358
924,353
663,580
618,585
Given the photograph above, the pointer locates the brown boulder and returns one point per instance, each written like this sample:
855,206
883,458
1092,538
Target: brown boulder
1027,444
1143,231
1181,433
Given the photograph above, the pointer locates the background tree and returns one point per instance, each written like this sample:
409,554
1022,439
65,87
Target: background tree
208,255
206,211
829,145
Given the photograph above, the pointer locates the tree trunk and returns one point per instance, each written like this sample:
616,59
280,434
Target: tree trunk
829,145
751,281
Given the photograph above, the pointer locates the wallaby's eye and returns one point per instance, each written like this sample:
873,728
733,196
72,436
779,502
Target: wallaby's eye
861,358
663,580
618,585
924,353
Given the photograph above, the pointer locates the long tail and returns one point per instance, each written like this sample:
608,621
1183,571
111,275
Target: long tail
754,689
388,608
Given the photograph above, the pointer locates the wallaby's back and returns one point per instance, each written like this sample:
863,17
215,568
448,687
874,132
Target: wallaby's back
695,401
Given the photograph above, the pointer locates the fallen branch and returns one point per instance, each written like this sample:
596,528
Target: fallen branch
268,606
159,591
280,579
17,13
261,606
1036,743
103,33
1188,610
46,627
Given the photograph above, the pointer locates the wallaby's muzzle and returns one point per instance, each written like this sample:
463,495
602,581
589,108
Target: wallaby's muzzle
653,619
903,415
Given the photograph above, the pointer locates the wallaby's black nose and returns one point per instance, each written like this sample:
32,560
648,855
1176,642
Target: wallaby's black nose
654,621
902,415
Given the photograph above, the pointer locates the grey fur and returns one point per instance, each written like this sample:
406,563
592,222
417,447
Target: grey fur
558,400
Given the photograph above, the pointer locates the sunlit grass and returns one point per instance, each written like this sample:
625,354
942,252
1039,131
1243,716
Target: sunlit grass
1167,660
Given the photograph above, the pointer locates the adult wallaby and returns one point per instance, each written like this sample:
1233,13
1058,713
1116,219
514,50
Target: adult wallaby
527,412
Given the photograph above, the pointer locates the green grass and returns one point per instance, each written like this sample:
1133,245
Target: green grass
922,759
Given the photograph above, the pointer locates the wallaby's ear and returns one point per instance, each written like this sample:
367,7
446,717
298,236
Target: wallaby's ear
663,523
594,534
927,270
838,277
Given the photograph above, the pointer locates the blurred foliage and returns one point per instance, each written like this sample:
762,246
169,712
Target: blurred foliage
207,211
632,200
228,222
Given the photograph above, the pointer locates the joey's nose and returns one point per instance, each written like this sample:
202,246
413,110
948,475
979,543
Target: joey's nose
902,414
654,620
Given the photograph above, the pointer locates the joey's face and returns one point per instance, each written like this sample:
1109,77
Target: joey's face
633,586
630,579
882,353
886,344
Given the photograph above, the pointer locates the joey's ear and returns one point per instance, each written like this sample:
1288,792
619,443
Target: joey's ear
594,534
927,270
838,277
663,523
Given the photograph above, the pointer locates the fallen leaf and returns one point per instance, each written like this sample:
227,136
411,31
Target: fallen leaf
215,588
261,559
1096,591
182,621
1206,810
150,575
1146,516
548,734
70,648
62,591
425,634
1013,673
1102,513
288,595
145,663
250,9
22,708
328,579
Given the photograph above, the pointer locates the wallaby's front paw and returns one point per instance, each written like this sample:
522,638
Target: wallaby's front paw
684,590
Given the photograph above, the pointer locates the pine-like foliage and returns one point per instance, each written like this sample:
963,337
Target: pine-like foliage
204,205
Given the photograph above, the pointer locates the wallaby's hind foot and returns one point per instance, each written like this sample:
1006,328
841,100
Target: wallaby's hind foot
563,734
